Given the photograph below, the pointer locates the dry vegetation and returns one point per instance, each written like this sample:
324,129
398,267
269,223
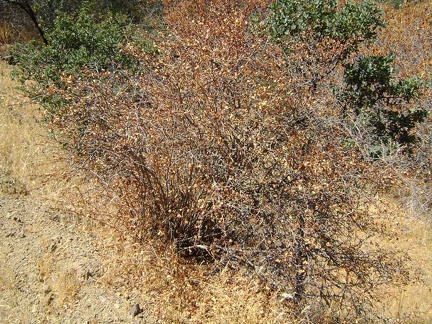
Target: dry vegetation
408,36
413,302
217,150
194,216
30,161
19,131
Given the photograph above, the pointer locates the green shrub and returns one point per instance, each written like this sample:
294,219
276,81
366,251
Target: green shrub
319,35
301,19
372,95
83,40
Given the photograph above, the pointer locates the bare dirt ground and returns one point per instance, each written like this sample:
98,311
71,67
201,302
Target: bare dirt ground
50,269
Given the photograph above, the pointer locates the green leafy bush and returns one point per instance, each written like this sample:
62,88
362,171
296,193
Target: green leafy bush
318,35
301,19
372,95
76,41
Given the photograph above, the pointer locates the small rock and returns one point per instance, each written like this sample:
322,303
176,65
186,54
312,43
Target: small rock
46,289
136,309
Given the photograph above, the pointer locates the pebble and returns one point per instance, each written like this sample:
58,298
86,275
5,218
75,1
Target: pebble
136,309
46,289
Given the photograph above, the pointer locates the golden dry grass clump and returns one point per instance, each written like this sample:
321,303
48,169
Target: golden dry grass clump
413,302
18,150
29,159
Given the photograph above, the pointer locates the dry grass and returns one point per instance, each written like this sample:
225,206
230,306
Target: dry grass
45,267
413,234
7,280
30,161
6,34
21,152
66,285
174,291
416,298
62,282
